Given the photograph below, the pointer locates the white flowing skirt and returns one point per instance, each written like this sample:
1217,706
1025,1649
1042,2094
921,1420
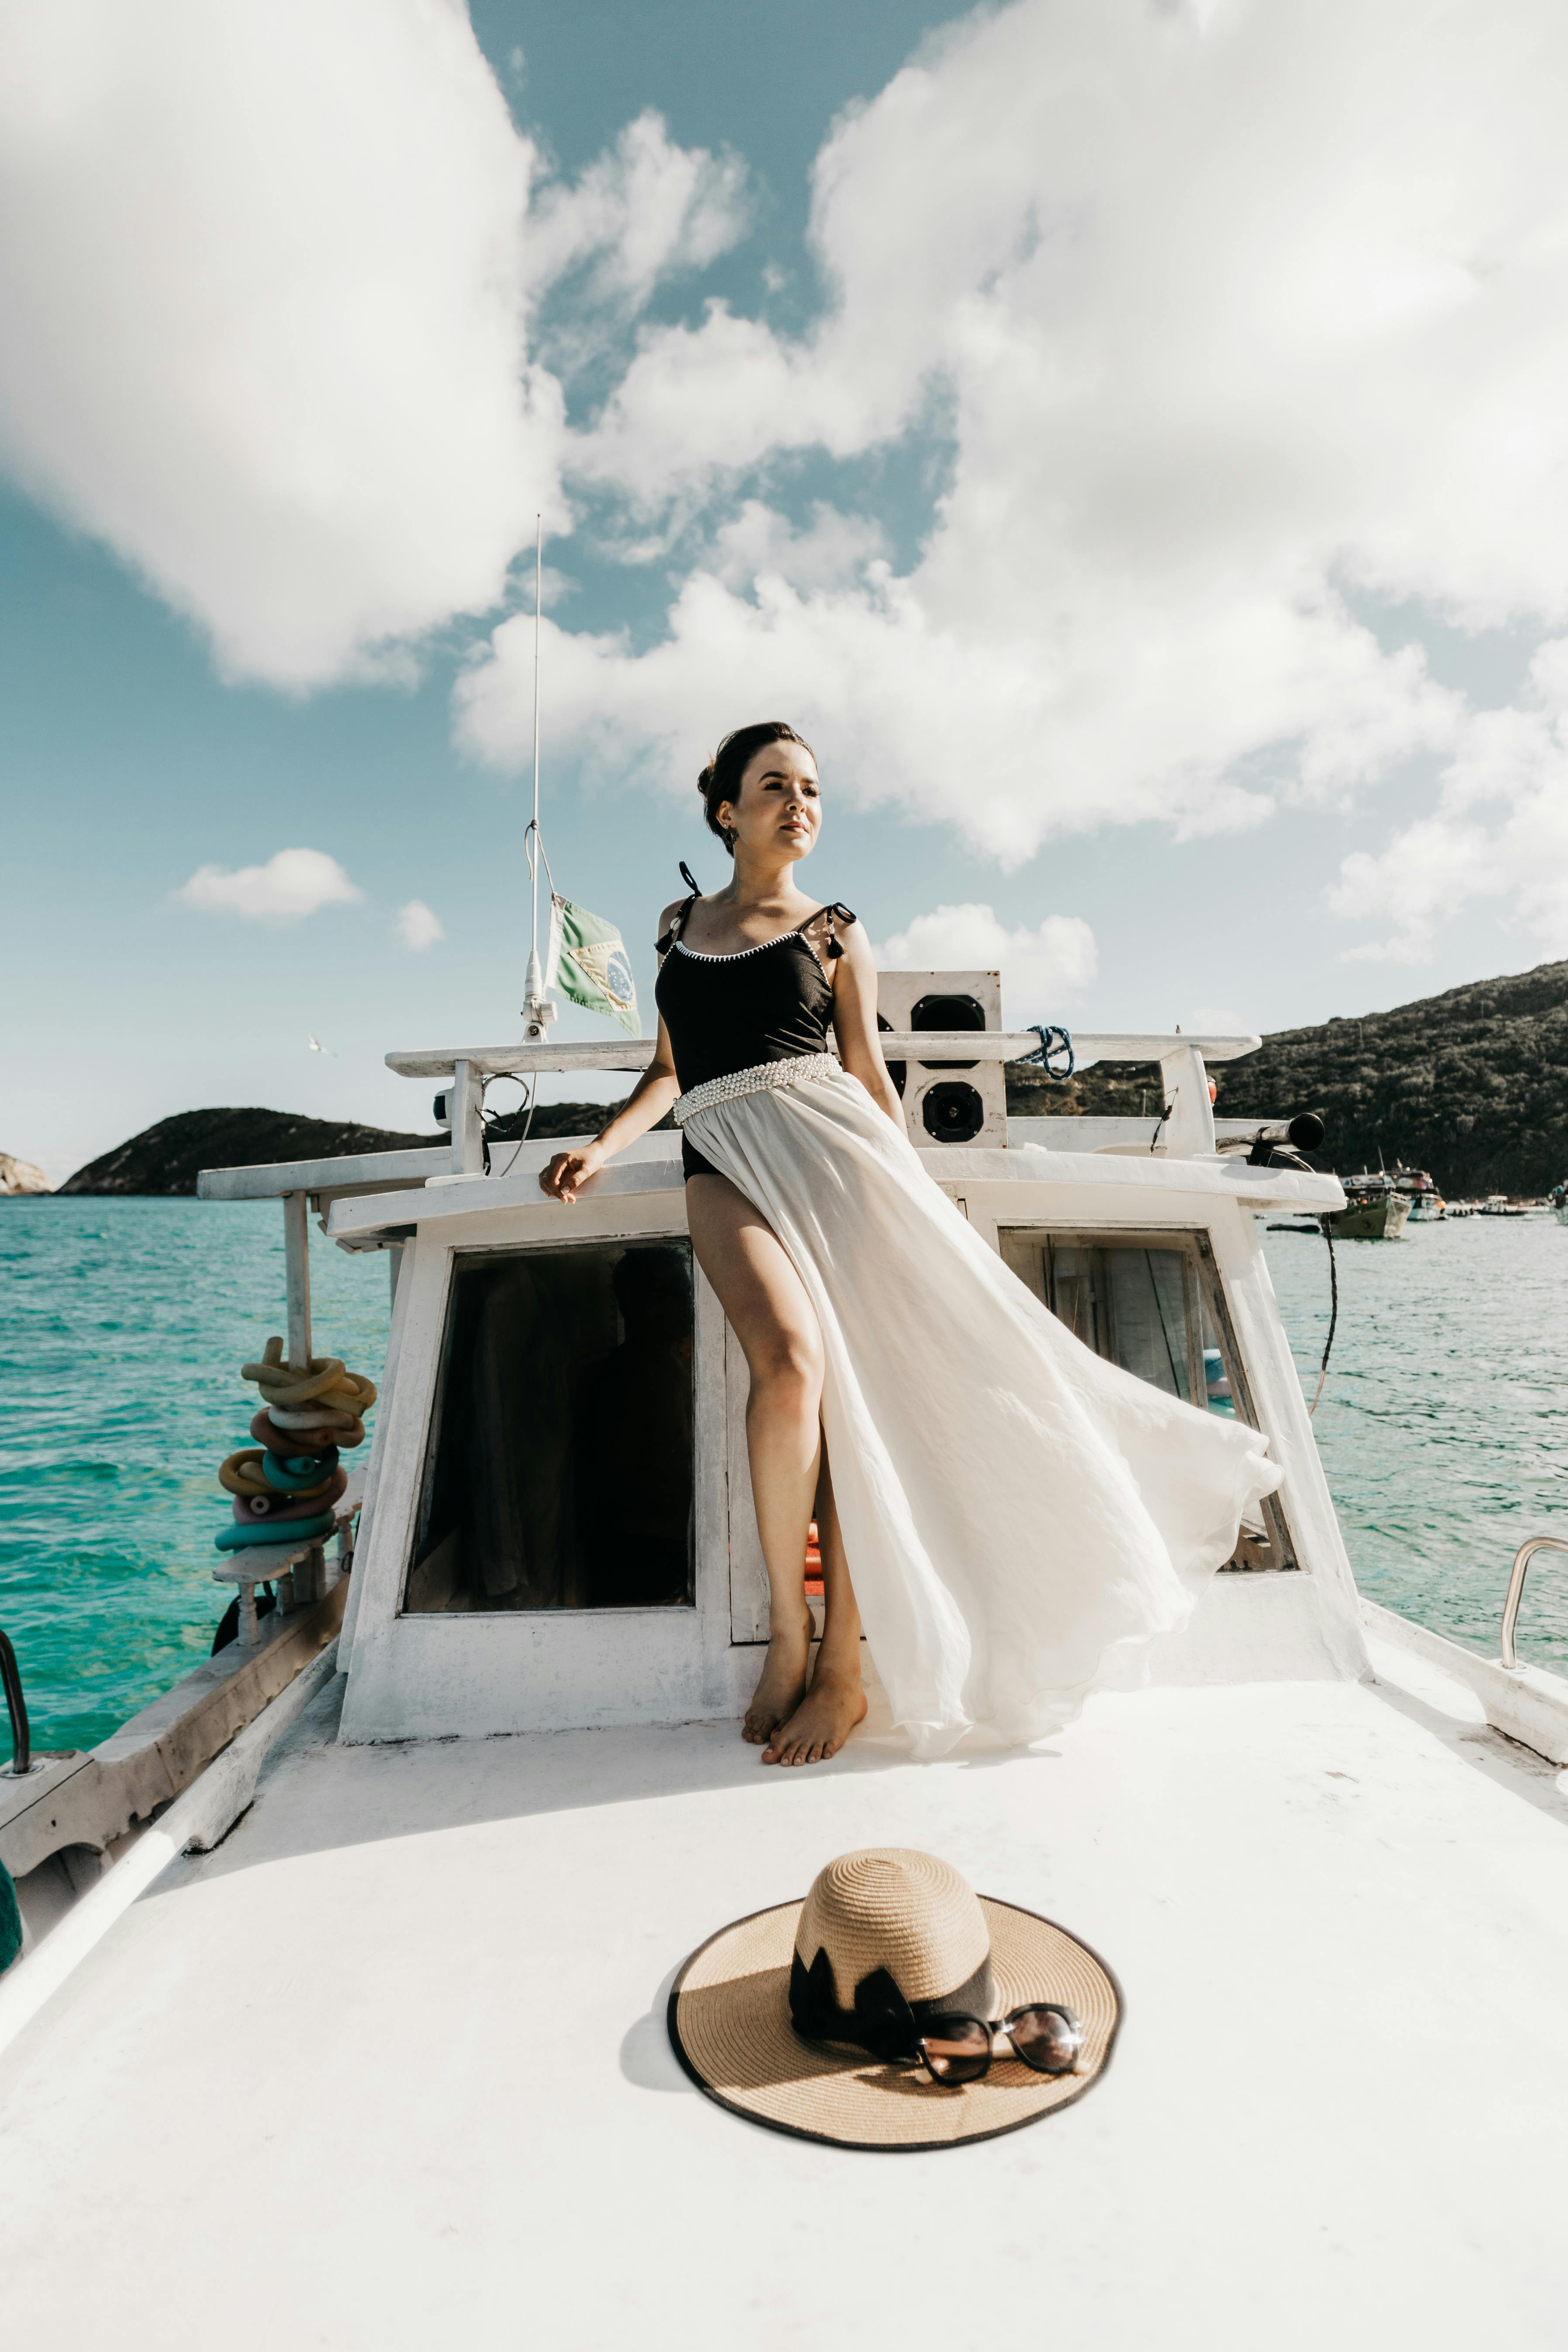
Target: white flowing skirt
1018,1514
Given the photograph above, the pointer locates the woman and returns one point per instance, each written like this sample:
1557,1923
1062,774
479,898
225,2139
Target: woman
1016,1510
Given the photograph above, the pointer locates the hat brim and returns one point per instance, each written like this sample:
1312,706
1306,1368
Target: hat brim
730,2027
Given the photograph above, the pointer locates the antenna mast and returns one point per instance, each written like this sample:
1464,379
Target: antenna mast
538,1011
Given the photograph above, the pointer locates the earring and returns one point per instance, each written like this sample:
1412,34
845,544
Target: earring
728,832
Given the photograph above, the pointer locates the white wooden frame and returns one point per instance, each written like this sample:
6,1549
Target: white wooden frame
1328,1586
477,1673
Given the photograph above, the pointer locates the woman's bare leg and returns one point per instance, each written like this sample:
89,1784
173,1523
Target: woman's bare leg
837,1700
776,1325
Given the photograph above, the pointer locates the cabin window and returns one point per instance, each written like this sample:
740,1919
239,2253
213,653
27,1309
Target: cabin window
1153,1304
559,1469
1137,1303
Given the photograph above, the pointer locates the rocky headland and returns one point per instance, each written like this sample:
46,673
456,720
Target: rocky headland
164,1160
1472,1084
21,1176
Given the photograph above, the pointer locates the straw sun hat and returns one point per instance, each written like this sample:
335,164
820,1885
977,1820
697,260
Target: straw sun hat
804,2017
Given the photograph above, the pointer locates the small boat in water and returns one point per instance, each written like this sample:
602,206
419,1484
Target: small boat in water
1497,1205
1559,1201
360,1944
1420,1189
1376,1208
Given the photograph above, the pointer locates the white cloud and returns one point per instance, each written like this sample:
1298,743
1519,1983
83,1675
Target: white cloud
1202,315
266,275
263,274
759,543
1040,968
644,211
416,927
292,885
1500,831
1228,310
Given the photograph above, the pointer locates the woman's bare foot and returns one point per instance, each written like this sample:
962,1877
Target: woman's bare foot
781,1686
823,1721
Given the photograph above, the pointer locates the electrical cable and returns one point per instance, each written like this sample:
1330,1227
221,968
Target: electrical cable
1328,1225
1283,1155
489,1121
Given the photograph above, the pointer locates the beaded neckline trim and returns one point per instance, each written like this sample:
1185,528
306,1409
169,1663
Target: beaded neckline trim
738,955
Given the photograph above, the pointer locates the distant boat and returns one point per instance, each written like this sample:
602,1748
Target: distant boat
1420,1189
1559,1199
1497,1205
1376,1208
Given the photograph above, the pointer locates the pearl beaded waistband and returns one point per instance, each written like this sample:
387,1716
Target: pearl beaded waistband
761,1079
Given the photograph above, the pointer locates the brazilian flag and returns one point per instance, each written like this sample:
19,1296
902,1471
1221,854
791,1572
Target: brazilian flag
589,963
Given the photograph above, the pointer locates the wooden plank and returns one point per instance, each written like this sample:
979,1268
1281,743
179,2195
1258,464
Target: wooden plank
898,1045
440,1061
296,1277
386,1171
468,1131
162,1748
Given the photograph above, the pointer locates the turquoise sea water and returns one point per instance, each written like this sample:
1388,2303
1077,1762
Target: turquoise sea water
123,1327
1444,1425
124,1324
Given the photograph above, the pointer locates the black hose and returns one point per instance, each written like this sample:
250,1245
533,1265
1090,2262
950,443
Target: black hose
1328,1224
16,1708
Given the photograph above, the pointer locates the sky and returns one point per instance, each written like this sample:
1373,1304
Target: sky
1128,438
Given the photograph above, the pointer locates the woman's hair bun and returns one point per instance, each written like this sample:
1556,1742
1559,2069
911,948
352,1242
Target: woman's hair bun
720,779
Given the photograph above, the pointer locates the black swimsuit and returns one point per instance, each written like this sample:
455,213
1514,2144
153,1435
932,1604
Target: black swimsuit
728,1012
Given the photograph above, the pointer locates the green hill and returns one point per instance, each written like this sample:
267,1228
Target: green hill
1472,1084
165,1160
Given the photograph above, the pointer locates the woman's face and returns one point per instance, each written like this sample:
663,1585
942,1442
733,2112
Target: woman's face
780,807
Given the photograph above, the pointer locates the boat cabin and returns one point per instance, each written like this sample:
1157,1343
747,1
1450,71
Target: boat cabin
558,1528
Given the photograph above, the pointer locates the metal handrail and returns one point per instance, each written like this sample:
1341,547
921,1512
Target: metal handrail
1521,1561
16,1708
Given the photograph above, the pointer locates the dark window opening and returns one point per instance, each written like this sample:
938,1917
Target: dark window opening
558,1468
1155,1306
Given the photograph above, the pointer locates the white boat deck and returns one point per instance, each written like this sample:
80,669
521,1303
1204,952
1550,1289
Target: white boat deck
389,2068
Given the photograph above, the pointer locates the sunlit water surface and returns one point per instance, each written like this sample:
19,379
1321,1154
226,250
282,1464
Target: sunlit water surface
1444,1423
124,1324
123,1327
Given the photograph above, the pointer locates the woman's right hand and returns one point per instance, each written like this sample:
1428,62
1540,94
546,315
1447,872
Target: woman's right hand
568,1171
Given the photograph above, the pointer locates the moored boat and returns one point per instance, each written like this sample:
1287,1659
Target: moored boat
1420,1189
1375,1210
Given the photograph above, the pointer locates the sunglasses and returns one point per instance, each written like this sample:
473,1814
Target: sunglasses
1046,2036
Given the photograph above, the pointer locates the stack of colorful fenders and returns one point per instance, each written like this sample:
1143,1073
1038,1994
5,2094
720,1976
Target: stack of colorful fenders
286,1485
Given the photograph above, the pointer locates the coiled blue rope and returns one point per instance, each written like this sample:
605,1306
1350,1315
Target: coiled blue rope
1054,1046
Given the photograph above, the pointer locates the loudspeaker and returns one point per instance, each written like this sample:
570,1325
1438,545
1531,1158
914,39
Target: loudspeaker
950,1101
